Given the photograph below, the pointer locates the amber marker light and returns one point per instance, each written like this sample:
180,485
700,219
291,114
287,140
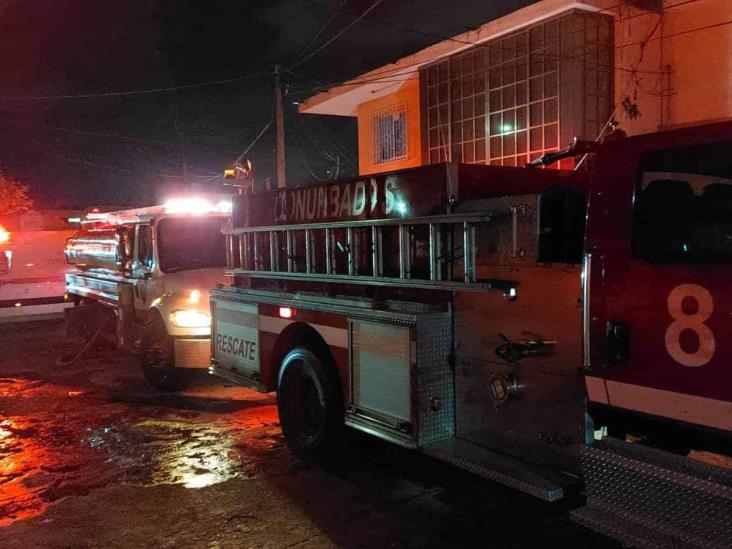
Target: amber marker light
194,297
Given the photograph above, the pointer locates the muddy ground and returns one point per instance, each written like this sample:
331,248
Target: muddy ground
90,456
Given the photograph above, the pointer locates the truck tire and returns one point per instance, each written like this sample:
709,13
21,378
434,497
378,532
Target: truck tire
310,405
157,359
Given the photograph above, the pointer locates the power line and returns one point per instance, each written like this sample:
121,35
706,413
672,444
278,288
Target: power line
254,141
338,35
322,29
303,77
132,92
628,83
92,164
92,133
340,150
15,142
378,77
673,34
116,137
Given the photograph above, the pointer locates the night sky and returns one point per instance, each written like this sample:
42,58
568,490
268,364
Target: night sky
129,150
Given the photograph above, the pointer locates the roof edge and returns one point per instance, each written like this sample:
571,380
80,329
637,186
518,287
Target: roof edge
343,99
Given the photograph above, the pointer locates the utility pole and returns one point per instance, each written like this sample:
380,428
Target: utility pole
280,129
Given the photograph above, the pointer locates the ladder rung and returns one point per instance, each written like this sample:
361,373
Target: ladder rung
377,260
351,256
242,250
447,236
308,251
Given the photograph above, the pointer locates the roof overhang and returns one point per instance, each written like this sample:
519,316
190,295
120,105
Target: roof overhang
343,99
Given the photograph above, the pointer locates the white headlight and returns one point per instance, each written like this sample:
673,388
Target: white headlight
185,318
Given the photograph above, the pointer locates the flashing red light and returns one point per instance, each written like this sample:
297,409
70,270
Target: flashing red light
4,235
287,312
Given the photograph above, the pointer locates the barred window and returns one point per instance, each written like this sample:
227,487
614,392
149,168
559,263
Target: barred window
390,134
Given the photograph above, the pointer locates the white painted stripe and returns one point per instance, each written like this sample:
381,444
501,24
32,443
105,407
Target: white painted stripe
335,337
32,312
596,390
672,405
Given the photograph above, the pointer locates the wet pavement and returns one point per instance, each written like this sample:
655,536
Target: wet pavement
90,456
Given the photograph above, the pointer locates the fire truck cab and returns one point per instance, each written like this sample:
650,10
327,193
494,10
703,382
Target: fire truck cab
142,281
551,330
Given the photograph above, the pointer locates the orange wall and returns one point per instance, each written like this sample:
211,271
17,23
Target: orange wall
684,73
407,94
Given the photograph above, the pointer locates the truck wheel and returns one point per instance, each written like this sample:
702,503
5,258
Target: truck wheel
310,405
157,359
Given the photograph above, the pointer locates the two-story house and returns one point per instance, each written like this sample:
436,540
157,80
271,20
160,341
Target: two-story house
530,81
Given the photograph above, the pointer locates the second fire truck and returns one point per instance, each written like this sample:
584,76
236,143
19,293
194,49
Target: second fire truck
142,281
546,329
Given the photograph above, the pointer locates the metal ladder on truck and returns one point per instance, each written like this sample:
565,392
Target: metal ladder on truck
436,252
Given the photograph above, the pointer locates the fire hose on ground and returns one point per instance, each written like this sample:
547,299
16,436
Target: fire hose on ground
69,358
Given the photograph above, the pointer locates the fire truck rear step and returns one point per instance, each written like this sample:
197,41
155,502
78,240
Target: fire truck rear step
651,498
506,470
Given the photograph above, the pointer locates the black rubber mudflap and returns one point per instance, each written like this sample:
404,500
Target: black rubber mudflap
650,498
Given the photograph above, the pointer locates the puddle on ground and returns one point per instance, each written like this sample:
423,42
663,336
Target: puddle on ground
153,452
59,441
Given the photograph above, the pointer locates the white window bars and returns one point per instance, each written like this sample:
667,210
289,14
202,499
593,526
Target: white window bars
389,129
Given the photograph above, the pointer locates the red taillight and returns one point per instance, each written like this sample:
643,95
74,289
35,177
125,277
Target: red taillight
287,312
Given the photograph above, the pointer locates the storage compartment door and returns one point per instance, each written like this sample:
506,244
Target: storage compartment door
381,386
235,337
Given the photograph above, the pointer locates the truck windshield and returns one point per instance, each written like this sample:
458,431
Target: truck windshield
190,243
683,205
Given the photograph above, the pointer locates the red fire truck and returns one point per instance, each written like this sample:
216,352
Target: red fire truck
547,329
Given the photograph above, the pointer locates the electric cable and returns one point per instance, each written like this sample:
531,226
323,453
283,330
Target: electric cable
610,119
254,141
379,77
338,35
322,29
132,92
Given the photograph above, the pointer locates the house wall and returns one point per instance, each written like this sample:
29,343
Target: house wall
407,94
683,72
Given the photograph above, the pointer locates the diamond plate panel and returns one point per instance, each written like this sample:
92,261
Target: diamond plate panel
665,493
435,379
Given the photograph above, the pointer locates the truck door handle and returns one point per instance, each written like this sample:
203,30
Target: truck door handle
618,341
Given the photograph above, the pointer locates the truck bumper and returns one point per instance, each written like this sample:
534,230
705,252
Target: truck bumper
650,498
192,352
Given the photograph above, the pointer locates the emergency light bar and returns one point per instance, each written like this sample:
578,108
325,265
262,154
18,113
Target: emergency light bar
188,205
196,206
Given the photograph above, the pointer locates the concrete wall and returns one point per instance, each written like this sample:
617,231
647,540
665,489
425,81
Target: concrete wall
683,75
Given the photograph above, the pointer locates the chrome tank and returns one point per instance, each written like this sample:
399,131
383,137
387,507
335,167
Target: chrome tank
99,249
